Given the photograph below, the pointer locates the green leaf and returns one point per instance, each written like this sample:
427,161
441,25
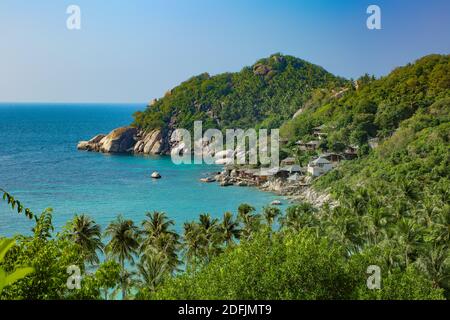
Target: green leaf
17,275
5,245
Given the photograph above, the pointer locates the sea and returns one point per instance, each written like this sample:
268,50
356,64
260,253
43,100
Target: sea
41,166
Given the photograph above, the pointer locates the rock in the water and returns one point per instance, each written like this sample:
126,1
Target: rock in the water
83,145
97,138
127,140
91,145
242,184
276,203
156,175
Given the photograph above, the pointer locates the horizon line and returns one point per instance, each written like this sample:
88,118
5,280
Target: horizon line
69,102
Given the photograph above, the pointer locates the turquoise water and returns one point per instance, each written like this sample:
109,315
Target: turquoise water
40,166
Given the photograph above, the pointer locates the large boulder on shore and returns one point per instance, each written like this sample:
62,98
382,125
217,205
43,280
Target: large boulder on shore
91,145
152,142
120,140
127,140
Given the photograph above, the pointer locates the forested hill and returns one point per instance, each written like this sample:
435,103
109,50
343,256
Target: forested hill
393,202
265,94
373,107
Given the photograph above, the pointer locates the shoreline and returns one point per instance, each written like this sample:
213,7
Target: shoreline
294,193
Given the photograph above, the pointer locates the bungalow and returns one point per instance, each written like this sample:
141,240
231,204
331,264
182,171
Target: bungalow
312,145
292,169
319,132
308,146
248,174
333,157
351,152
265,174
301,145
288,161
319,167
286,171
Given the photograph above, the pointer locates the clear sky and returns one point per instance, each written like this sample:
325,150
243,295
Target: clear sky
133,51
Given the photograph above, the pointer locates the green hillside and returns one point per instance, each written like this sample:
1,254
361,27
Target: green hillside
394,202
267,93
374,108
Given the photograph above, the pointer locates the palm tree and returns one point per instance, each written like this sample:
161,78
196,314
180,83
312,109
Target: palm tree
408,235
270,214
343,226
153,269
87,234
441,225
375,222
299,216
201,240
210,232
129,280
251,224
433,260
192,243
229,228
244,210
157,224
122,245
159,238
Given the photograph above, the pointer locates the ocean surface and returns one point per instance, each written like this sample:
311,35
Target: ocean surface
41,166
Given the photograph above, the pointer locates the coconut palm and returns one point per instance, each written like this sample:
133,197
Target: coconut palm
298,217
129,280
270,214
441,225
210,232
159,238
375,222
123,244
343,226
229,228
193,243
244,210
434,260
87,234
251,224
408,235
153,269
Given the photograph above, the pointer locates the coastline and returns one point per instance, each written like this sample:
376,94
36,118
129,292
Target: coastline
129,140
293,192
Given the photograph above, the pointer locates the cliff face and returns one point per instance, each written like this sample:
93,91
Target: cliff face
128,140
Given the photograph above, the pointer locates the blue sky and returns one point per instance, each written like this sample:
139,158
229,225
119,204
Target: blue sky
133,51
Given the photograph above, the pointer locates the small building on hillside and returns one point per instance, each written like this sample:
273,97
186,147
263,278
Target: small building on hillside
319,132
319,167
263,175
288,162
351,152
308,146
286,171
333,157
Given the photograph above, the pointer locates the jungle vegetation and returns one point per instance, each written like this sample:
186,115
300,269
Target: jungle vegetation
392,202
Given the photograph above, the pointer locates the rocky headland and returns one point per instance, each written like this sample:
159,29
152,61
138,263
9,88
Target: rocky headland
128,140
